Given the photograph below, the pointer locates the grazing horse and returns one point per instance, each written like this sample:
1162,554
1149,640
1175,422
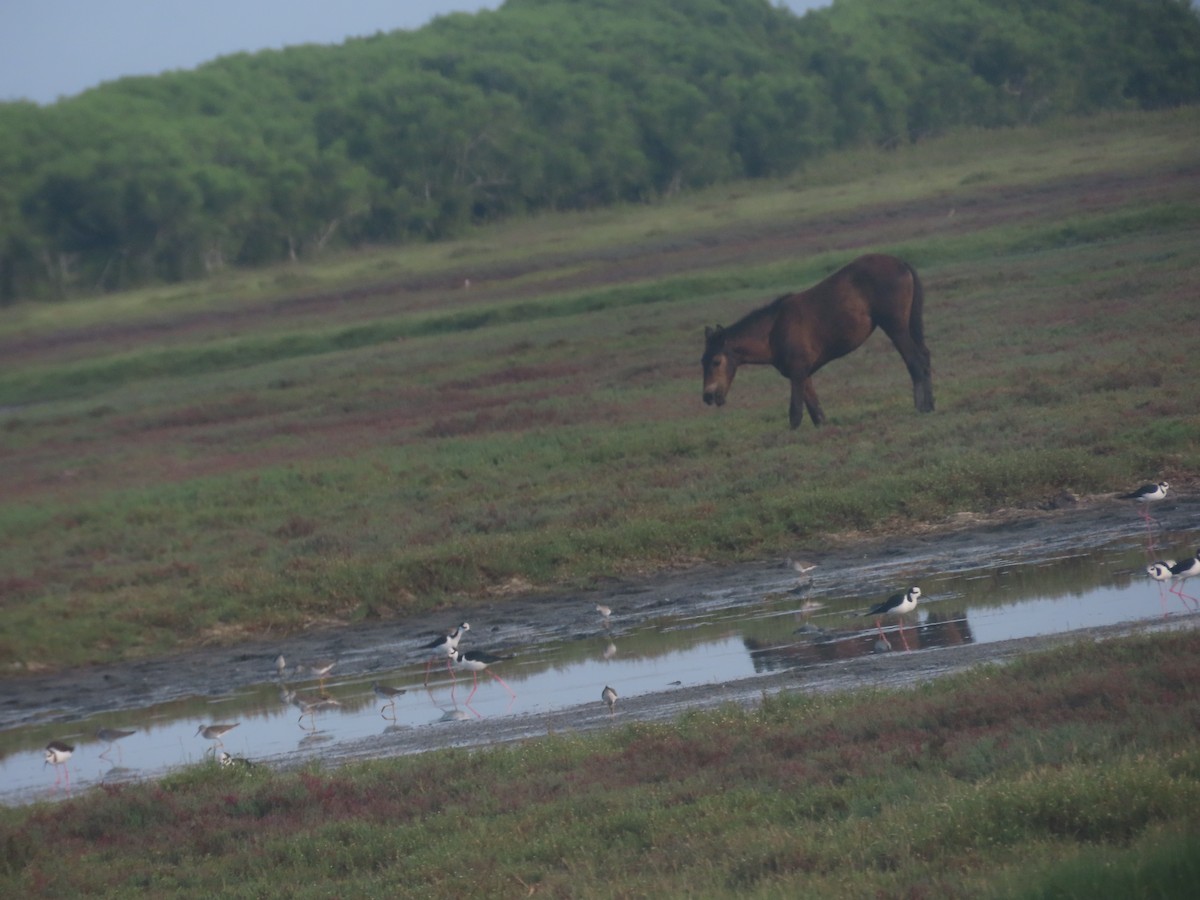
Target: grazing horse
799,333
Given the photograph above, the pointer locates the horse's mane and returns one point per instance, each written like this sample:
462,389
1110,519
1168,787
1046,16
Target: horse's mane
768,309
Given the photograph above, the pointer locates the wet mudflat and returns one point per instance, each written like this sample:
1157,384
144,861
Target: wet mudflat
992,589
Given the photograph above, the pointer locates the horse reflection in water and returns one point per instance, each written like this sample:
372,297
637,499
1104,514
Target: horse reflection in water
799,333
813,646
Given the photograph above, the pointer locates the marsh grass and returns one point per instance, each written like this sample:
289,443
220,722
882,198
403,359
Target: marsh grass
199,470
1072,772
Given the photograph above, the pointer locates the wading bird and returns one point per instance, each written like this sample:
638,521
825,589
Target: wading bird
1181,572
215,733
1144,496
896,605
444,647
110,736
57,754
804,577
1147,493
322,670
479,661
609,696
388,694
310,706
228,761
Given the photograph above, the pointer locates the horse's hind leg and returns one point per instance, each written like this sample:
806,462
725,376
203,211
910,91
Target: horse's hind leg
804,396
916,358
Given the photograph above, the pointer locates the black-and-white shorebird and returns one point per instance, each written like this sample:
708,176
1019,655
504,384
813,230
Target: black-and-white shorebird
897,605
605,613
443,648
57,754
280,666
1181,572
1148,493
609,696
110,736
1143,497
1160,571
215,732
228,761
388,695
479,661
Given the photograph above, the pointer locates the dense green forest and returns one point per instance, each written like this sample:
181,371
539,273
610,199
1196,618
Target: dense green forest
541,104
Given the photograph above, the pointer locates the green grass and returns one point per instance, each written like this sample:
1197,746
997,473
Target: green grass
205,462
1068,773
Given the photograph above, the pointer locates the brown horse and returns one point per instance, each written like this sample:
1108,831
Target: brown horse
799,333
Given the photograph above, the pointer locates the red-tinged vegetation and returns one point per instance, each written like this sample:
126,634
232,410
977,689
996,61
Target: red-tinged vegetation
931,791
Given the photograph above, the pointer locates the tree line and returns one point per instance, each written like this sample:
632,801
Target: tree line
538,105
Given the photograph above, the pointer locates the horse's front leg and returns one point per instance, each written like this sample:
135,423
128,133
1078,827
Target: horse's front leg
803,395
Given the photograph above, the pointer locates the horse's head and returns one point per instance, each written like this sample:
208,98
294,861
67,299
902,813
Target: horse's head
719,367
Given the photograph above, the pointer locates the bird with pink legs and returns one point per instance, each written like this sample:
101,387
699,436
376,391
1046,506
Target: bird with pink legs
1181,572
480,661
897,605
57,754
444,647
1143,497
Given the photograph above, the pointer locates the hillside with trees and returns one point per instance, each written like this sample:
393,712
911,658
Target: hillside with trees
539,105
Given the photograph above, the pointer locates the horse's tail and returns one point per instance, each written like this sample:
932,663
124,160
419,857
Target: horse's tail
922,375
916,316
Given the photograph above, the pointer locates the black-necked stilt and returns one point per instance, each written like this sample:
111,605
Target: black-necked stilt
57,754
444,647
1144,496
1160,571
896,605
389,695
280,666
110,736
1181,572
215,733
479,661
1148,493
228,761
609,696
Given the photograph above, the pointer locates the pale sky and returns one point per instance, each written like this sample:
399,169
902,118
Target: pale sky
57,48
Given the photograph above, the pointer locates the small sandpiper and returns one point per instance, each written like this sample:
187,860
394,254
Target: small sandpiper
110,736
321,670
388,694
215,733
310,706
